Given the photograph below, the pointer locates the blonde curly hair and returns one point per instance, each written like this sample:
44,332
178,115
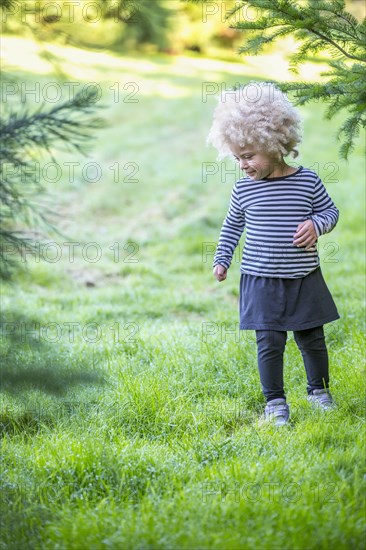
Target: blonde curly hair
256,114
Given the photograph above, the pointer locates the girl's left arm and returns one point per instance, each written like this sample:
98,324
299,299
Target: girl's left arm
325,213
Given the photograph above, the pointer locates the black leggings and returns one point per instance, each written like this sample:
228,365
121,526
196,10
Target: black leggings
271,346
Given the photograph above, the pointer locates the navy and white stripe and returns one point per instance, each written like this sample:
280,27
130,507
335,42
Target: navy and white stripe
270,211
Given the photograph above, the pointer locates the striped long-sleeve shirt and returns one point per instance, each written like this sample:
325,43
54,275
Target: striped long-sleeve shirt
270,211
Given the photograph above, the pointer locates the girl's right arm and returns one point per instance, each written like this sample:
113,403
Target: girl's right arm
231,231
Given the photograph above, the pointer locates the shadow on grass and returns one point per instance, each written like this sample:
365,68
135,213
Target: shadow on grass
28,361
49,379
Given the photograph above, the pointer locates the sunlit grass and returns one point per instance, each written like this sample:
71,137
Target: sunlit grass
22,53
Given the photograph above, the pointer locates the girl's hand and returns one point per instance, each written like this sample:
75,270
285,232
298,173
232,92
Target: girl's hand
220,272
305,235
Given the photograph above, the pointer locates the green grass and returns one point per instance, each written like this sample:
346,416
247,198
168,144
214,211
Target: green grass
131,405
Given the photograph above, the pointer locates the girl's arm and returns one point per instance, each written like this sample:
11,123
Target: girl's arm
231,231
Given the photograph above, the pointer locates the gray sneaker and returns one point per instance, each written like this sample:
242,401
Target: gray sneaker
322,399
277,411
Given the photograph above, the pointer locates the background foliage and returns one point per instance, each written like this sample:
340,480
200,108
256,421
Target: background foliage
171,26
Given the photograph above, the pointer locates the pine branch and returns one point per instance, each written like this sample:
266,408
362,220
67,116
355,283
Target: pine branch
21,135
337,46
351,130
303,21
44,129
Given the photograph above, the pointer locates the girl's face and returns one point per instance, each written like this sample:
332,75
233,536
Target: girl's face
257,164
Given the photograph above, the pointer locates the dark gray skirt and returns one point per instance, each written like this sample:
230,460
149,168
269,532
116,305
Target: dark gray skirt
285,304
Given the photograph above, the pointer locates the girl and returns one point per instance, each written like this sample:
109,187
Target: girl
284,211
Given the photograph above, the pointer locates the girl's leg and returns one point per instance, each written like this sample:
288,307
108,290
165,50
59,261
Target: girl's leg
311,343
270,347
